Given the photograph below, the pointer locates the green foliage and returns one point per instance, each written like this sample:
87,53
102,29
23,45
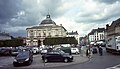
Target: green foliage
60,40
10,43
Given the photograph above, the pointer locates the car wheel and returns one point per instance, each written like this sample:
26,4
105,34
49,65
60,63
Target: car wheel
15,65
29,62
45,60
66,60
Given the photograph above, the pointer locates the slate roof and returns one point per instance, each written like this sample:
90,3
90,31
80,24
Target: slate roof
97,30
44,23
92,32
48,20
72,33
42,27
115,23
4,34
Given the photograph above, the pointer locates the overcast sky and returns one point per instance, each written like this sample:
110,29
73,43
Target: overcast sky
74,15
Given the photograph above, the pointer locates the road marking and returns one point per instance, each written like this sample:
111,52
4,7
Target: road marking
114,67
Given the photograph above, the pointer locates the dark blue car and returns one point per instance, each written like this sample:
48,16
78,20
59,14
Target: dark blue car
24,57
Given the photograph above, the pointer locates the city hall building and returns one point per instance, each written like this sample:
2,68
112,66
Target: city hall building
47,28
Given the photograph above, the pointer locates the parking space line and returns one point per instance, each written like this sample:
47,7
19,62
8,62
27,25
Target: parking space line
114,67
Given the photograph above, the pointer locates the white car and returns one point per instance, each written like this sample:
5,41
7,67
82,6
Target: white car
44,51
35,50
75,51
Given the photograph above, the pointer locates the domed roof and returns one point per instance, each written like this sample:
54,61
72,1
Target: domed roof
48,20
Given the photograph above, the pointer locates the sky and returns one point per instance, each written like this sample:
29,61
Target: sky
74,15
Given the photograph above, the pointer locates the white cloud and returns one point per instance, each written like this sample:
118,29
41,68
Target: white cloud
89,13
78,15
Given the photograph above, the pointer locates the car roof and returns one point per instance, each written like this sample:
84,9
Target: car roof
55,52
23,53
74,48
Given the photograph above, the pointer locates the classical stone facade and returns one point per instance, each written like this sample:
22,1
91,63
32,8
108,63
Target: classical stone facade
47,28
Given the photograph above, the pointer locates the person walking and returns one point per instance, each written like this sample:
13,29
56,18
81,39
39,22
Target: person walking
89,52
100,50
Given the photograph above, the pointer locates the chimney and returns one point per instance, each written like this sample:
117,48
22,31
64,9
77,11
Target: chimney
76,31
107,26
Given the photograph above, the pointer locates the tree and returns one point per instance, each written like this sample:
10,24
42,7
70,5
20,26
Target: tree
11,43
60,40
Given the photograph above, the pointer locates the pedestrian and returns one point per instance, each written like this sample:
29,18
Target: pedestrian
94,50
100,50
88,52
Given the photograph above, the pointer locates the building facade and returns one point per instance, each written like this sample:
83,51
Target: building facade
74,34
84,41
113,29
97,35
47,28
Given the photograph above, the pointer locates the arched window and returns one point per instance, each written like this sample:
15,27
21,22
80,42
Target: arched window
39,34
44,34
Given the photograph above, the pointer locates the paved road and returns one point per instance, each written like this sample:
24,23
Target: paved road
6,62
97,62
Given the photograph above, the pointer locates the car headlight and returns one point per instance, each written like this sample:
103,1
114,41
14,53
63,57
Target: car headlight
70,56
27,59
15,60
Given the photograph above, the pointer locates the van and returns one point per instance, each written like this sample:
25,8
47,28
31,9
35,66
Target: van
75,50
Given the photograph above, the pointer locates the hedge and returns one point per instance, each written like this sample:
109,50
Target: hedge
11,43
60,40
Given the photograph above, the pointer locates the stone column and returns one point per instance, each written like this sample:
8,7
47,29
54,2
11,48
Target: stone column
35,33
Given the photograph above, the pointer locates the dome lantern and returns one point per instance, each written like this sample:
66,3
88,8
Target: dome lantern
48,20
48,16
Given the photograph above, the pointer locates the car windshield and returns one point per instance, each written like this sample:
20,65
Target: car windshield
23,54
56,52
62,52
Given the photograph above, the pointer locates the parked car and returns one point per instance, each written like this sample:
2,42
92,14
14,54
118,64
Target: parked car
35,50
65,49
75,50
44,51
24,57
5,51
57,55
15,51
